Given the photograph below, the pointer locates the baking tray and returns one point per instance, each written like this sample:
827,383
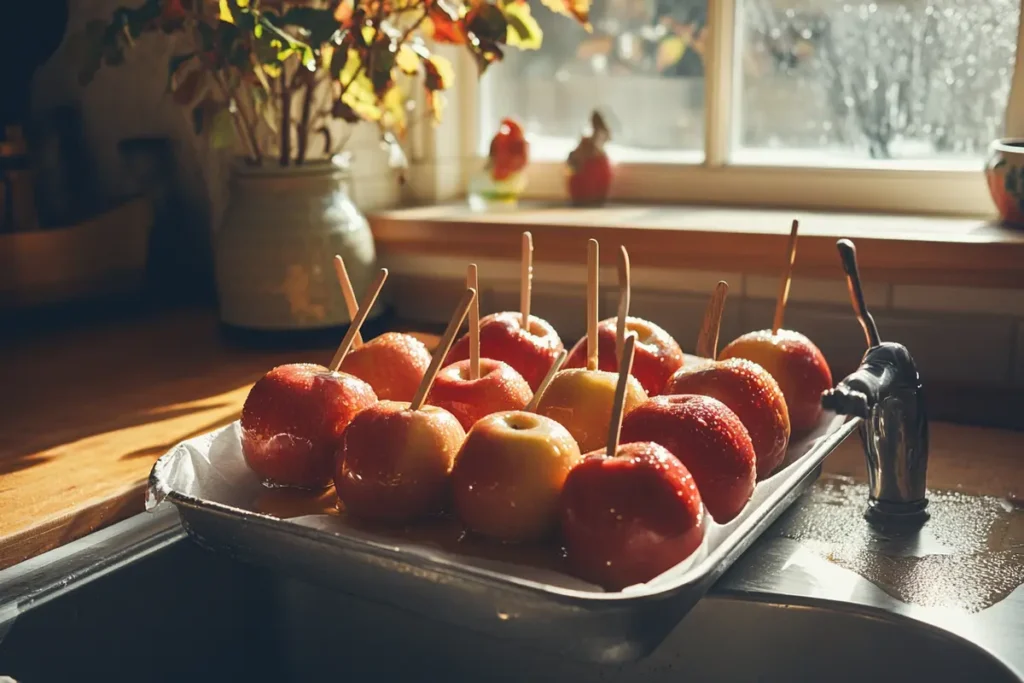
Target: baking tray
222,507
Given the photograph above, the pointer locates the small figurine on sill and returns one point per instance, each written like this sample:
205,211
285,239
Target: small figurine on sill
503,179
590,170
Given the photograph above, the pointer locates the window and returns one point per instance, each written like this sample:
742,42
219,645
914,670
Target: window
848,104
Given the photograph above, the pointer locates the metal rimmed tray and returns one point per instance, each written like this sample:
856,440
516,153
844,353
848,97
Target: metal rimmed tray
539,606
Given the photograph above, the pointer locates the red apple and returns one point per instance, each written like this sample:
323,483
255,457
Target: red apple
502,337
656,357
509,475
750,392
581,401
498,388
394,463
708,439
393,364
293,419
796,364
628,518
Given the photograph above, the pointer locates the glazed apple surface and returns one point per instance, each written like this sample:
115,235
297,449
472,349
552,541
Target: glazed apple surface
629,517
796,364
394,463
293,419
392,363
708,439
498,388
581,401
750,392
509,474
657,353
502,337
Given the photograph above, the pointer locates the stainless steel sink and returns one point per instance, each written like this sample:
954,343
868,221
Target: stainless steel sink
172,611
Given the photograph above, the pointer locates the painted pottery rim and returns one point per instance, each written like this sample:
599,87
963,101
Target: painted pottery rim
1008,145
240,168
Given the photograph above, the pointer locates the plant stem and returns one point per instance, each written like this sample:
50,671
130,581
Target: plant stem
243,126
286,119
307,104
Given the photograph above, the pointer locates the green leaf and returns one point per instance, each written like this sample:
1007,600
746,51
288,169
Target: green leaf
523,30
382,60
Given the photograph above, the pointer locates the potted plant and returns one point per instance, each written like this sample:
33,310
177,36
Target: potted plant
282,83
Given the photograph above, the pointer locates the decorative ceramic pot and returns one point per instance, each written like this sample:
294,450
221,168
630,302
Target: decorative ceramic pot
281,230
1005,174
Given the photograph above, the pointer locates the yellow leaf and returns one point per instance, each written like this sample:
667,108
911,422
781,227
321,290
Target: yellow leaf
393,111
225,12
369,33
578,9
670,51
523,30
271,70
407,60
436,102
440,74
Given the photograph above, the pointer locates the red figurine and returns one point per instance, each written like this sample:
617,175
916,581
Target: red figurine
590,177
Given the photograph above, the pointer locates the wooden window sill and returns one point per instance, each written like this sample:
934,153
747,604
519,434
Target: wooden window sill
891,249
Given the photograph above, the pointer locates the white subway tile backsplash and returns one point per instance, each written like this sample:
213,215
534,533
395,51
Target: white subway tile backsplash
959,299
969,349
684,280
814,290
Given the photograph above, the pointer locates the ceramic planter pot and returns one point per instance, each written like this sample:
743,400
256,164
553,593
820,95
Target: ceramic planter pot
273,254
1005,175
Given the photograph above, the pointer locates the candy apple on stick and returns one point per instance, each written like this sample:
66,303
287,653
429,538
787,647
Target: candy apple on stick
294,417
527,343
509,474
791,358
470,389
657,353
395,457
629,512
393,363
742,385
580,399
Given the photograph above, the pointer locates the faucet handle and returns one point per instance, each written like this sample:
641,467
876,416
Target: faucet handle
848,257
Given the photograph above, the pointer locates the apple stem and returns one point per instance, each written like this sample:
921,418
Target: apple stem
707,339
787,277
350,295
624,290
526,279
360,317
443,347
531,407
474,324
618,406
593,292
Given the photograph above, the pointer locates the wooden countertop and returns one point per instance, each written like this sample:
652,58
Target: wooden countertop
86,413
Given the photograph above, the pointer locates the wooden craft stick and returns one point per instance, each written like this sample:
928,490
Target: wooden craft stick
787,277
441,352
593,292
619,404
364,310
350,296
624,289
526,279
474,324
707,340
531,407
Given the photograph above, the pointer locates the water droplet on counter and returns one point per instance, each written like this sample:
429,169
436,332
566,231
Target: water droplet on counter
968,556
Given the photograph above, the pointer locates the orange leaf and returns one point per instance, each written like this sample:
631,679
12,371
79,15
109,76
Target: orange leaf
578,9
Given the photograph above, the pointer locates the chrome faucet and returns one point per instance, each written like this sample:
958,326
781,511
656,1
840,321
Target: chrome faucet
885,392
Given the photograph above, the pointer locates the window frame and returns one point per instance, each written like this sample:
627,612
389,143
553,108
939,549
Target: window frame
717,180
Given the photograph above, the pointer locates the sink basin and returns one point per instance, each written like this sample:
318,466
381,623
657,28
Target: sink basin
181,613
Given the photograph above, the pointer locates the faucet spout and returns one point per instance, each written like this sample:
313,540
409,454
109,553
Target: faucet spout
886,393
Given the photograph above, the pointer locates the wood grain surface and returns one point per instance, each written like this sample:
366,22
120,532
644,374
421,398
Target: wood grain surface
87,411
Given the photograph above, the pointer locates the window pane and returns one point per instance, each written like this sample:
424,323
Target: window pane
834,82
641,67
